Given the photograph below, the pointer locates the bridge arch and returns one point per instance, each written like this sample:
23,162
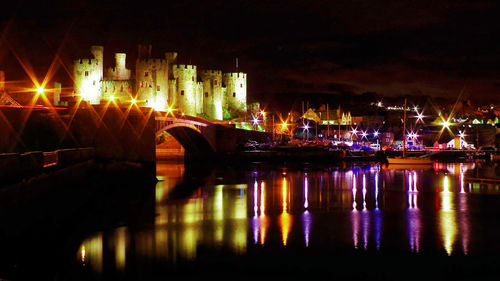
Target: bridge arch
189,136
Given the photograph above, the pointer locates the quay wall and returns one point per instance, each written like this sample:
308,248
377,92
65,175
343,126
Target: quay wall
15,167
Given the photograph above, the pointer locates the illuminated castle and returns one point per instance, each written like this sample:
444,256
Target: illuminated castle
162,84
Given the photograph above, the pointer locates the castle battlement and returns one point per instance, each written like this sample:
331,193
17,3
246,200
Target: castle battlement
87,61
235,75
184,66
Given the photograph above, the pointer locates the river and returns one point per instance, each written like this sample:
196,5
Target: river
348,221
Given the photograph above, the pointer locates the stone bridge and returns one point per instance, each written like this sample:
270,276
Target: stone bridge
201,137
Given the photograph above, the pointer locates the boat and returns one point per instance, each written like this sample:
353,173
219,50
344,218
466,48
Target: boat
404,160
407,166
410,160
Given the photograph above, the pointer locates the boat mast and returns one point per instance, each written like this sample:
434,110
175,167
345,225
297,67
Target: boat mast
404,130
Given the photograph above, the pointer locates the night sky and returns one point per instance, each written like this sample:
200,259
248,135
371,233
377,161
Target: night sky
435,48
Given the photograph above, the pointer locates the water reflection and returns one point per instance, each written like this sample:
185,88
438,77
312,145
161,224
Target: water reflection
90,253
366,207
447,217
285,219
413,216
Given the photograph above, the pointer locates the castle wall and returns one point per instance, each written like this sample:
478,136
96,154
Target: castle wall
160,83
152,82
121,91
172,93
186,88
199,98
224,97
236,92
212,93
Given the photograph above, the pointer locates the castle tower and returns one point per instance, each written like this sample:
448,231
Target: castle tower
152,83
120,71
186,88
88,75
236,92
212,93
98,53
171,57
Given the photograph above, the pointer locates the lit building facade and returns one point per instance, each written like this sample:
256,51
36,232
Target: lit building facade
161,83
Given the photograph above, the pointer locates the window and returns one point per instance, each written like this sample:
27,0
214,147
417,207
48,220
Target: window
93,83
106,89
234,94
158,88
192,78
215,82
206,94
182,92
241,85
146,74
121,88
86,73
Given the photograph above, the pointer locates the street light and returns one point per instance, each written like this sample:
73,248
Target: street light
420,116
305,128
363,134
255,121
446,124
461,134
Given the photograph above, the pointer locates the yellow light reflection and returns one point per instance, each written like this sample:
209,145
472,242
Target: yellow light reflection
238,236
263,218
121,247
285,218
82,253
218,214
447,217
90,252
240,204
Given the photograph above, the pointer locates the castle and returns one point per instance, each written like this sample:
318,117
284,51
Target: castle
162,84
